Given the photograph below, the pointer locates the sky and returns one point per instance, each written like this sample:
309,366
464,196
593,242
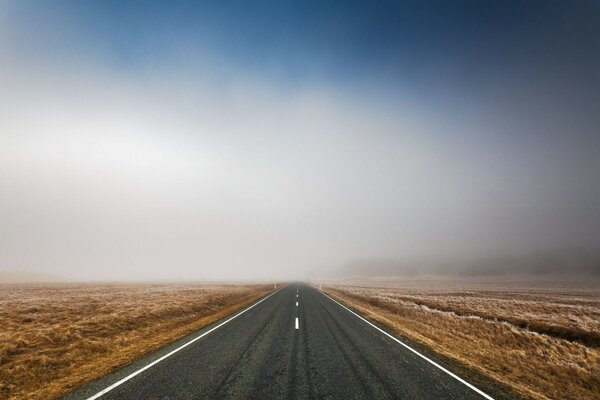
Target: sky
269,140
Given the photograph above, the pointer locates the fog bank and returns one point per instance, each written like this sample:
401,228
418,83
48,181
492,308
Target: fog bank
176,161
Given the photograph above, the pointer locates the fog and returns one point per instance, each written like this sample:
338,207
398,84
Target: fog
195,168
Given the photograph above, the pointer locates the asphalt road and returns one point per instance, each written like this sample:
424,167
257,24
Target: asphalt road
259,354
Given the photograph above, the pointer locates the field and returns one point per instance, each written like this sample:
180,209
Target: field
542,339
56,337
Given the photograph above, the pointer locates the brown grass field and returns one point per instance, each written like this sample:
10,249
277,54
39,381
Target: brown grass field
56,337
539,339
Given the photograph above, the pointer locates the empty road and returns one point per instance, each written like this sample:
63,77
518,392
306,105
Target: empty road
294,344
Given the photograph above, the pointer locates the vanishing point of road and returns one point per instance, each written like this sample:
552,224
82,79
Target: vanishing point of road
296,343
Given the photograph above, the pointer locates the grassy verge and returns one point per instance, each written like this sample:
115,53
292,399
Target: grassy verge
55,338
473,328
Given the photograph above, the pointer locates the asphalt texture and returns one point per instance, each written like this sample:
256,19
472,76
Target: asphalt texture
261,355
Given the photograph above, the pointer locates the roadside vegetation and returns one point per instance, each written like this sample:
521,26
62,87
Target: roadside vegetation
55,338
540,339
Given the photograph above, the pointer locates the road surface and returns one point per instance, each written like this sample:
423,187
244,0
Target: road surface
295,344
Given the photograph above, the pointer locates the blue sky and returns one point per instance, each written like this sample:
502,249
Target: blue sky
456,56
341,42
374,129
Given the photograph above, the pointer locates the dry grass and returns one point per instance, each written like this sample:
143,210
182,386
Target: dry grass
56,337
542,340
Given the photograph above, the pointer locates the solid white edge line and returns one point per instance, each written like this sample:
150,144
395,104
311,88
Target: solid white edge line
139,371
487,396
297,326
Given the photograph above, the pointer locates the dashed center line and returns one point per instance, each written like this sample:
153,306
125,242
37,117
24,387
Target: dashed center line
297,324
296,304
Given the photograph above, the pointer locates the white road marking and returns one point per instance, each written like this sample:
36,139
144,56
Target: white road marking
297,325
487,396
296,295
296,304
139,371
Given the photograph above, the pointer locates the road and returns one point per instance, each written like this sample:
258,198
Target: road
295,344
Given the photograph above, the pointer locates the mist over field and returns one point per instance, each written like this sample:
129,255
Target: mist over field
193,144
574,265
